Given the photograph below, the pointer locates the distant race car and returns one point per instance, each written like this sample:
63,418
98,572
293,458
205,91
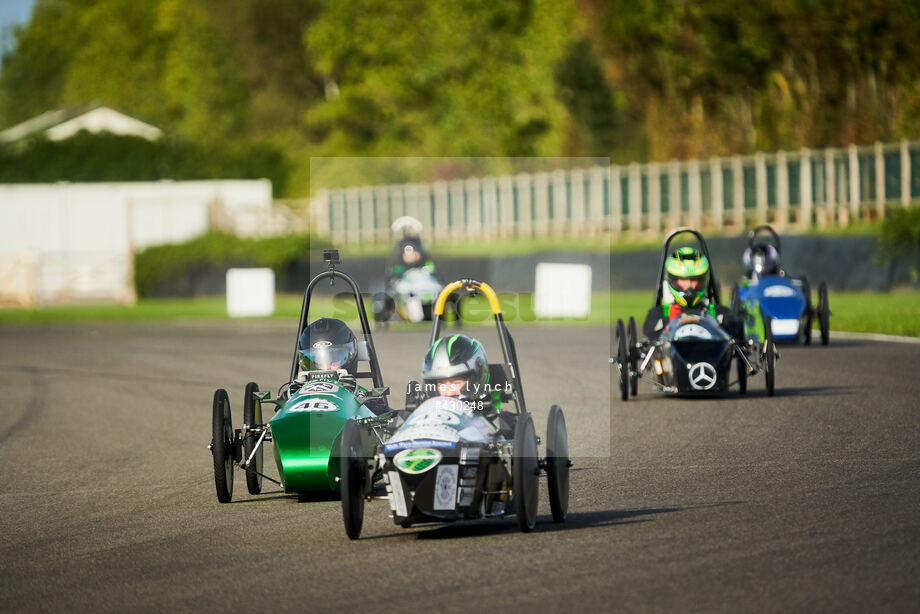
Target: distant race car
311,409
410,296
447,461
767,289
692,355
410,286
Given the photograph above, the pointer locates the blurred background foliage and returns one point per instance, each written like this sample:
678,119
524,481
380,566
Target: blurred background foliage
272,83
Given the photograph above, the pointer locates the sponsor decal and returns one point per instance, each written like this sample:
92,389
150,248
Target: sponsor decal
417,460
702,376
784,326
692,330
317,405
778,291
320,387
417,443
445,488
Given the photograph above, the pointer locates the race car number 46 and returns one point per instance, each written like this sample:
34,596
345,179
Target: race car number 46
314,405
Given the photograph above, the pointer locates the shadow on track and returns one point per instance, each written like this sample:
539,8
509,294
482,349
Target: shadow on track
574,521
275,495
797,391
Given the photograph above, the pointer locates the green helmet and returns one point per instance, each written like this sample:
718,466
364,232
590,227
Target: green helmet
457,356
687,263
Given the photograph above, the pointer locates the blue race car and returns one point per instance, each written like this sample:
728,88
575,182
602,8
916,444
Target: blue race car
769,290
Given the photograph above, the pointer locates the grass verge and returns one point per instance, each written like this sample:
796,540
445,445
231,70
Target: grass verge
894,313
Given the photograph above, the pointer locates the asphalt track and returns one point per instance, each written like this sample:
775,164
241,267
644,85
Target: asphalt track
808,501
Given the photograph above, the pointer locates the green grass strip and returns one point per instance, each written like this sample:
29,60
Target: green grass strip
894,313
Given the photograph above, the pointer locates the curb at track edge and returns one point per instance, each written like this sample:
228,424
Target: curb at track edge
874,337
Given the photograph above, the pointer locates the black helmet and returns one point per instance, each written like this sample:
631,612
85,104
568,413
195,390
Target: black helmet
761,259
457,356
410,251
328,344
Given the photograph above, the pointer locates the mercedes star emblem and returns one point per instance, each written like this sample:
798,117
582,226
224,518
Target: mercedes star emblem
702,376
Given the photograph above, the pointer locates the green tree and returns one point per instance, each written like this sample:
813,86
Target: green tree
439,78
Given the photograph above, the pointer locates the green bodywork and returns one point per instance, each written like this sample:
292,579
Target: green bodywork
753,321
306,434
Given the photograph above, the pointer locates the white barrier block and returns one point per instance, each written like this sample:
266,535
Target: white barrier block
250,292
562,290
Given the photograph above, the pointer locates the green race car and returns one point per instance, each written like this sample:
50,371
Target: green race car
310,409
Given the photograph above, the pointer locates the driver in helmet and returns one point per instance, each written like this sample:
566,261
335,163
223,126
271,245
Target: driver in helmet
456,366
409,254
760,260
328,344
688,283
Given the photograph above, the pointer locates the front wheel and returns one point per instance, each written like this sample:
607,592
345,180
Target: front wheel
769,356
252,416
824,314
632,355
557,464
622,361
222,445
524,469
353,481
742,375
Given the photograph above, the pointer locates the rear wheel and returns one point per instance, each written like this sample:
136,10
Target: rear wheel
622,361
769,356
222,445
524,471
632,355
557,464
252,416
353,480
824,314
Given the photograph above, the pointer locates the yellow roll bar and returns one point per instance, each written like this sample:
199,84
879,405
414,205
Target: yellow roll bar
470,283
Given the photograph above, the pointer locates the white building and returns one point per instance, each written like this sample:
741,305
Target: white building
61,124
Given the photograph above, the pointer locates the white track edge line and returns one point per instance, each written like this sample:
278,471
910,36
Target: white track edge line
872,337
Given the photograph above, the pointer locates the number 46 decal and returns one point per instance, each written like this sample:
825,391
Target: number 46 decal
314,405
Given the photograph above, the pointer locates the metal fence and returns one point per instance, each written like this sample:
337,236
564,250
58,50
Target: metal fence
810,187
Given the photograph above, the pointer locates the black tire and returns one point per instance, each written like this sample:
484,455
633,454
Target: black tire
524,469
252,416
222,445
353,479
769,356
632,355
557,464
809,311
824,314
381,305
622,361
742,375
